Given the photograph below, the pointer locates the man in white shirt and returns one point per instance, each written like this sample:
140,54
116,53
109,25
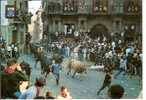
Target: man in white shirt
113,46
123,66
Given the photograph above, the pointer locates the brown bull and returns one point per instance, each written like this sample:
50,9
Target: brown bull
76,66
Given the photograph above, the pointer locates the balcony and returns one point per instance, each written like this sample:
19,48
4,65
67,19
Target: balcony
100,7
117,9
70,7
69,10
100,10
132,7
54,8
94,8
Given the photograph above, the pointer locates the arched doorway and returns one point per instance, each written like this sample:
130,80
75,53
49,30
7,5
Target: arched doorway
99,30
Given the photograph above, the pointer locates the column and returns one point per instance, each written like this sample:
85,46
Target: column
79,24
53,29
114,26
85,25
120,25
59,25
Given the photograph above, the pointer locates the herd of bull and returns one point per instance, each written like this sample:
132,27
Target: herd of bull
46,60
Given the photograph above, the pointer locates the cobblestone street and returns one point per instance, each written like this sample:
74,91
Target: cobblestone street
83,86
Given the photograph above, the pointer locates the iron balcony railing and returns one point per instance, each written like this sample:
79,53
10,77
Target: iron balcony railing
99,10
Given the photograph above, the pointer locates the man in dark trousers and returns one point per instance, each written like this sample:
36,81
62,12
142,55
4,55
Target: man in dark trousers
106,83
56,67
28,38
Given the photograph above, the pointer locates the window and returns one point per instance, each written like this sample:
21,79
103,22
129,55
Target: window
131,6
54,7
69,28
100,6
117,24
70,5
56,25
118,6
10,11
82,4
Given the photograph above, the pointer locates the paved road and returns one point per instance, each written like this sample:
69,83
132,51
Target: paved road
84,86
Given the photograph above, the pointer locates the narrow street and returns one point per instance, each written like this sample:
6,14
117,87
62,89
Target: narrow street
83,86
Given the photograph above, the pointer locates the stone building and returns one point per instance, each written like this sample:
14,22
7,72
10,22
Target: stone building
15,30
95,16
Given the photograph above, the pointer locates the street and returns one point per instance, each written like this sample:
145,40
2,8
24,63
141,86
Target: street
83,86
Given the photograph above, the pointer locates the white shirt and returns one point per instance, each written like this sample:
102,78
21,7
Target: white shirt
123,64
113,44
15,49
9,48
140,55
128,50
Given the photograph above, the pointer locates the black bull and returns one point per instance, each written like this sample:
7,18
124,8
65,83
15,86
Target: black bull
45,59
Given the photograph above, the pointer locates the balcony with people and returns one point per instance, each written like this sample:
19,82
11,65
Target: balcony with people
100,7
70,7
94,7
132,7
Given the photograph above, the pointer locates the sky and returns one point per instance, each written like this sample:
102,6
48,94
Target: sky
34,6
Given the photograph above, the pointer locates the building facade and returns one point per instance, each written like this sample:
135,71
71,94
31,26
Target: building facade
16,28
100,16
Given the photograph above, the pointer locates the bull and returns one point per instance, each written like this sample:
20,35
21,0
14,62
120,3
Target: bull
77,67
45,59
